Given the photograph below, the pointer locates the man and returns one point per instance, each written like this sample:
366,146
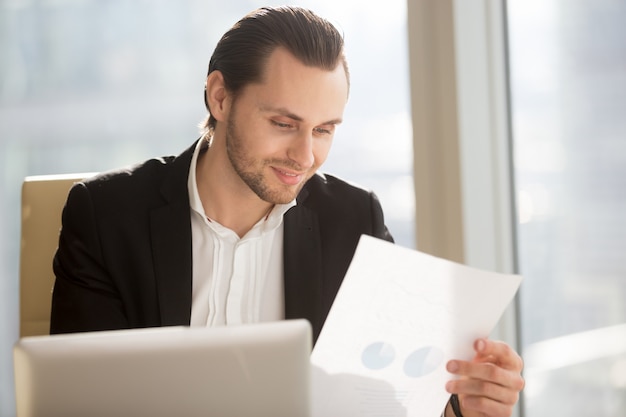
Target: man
241,227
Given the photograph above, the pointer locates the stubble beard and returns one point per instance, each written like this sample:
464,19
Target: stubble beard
251,171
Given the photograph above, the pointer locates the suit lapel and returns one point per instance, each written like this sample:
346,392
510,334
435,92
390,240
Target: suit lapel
171,244
303,266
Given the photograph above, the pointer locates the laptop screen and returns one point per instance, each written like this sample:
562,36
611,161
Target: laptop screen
247,370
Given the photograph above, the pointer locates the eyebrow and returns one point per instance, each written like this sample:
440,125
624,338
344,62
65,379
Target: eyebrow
284,112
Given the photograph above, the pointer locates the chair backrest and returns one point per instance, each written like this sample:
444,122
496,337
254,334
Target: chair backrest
43,198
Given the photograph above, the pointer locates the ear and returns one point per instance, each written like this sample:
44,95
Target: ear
216,95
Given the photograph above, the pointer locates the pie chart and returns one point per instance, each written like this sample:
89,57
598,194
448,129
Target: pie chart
423,361
378,355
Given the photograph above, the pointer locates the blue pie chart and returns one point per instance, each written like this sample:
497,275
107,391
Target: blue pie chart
423,361
378,355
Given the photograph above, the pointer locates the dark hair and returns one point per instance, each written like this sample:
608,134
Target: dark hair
242,52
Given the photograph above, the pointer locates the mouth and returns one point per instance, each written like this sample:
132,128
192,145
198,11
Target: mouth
288,177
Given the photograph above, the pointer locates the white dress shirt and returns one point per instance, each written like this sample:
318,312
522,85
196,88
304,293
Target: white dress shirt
235,280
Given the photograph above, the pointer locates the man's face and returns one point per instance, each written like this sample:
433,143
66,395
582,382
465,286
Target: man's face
279,131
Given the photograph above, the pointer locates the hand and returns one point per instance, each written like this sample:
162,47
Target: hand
489,384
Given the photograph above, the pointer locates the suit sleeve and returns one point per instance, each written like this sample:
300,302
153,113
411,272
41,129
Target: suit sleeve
84,296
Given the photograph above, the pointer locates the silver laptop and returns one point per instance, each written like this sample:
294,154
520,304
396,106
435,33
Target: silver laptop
240,371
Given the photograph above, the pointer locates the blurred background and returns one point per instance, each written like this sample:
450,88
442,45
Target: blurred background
90,85
568,95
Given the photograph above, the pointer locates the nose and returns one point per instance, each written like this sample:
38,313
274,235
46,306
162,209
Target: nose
301,150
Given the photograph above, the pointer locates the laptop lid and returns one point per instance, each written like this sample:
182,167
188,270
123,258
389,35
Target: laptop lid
240,371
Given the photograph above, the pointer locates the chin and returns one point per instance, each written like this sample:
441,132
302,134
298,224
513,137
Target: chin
282,199
280,196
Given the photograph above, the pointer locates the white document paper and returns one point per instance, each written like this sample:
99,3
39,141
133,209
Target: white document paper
399,316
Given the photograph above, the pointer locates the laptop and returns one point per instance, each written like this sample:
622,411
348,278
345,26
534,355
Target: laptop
239,371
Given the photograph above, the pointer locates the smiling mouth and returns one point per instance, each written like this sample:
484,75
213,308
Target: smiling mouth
286,173
288,178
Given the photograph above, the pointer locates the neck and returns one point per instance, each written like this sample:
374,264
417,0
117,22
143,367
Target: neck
225,197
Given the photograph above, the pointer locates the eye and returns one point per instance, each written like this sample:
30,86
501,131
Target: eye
281,125
321,130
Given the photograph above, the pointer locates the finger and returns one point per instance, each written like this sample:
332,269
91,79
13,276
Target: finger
486,372
476,405
499,353
483,388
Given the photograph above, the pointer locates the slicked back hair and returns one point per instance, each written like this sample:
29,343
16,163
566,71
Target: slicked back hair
242,52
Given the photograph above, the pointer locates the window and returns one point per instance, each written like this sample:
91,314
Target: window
568,83
567,80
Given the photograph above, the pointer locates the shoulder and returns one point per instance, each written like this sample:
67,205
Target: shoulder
137,174
330,187
340,200
343,210
134,189
145,177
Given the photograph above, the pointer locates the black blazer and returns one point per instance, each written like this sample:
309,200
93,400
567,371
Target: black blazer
124,256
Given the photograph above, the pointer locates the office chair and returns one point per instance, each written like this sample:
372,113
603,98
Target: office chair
43,198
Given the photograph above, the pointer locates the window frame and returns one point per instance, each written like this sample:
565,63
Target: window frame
462,139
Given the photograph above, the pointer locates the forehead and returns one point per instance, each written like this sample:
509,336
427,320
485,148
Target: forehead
309,92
